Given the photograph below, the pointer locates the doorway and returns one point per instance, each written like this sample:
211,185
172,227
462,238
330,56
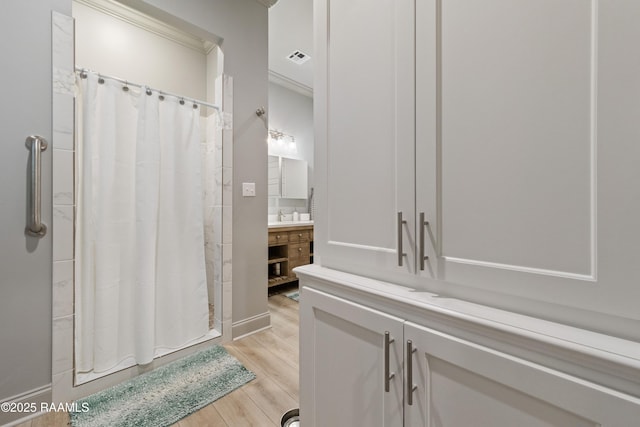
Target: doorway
104,42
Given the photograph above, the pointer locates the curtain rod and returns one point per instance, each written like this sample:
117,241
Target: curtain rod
128,83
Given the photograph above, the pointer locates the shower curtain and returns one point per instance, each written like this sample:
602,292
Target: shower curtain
140,269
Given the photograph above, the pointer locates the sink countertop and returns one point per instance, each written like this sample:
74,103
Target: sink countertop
289,224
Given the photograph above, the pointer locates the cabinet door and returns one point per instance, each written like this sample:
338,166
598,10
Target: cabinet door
527,173
460,383
343,364
364,121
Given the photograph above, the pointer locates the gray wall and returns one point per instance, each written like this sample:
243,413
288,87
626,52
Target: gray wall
242,26
25,262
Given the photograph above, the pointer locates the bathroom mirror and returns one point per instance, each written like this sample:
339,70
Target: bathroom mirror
293,176
273,176
287,178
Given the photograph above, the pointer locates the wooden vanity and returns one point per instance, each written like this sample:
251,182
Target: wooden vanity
290,246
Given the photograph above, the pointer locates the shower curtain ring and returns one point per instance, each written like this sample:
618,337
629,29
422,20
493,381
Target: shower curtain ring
83,74
126,86
182,101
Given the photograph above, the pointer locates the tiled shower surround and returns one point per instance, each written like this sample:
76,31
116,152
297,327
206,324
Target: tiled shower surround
217,175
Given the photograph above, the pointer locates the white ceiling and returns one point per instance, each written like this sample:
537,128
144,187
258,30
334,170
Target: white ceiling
291,29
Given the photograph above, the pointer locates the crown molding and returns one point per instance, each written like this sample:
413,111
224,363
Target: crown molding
147,23
290,84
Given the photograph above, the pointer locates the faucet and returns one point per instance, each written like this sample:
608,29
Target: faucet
280,215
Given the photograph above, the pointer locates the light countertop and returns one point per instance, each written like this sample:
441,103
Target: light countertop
289,224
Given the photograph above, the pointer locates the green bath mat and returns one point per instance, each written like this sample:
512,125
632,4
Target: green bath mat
294,296
165,395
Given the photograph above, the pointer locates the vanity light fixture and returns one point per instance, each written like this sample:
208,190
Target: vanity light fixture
280,139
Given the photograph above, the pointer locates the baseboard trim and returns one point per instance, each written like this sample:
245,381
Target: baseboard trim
35,396
251,325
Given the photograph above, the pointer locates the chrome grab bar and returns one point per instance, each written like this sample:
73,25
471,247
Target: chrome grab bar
36,144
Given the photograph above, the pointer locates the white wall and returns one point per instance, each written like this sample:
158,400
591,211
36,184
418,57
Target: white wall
117,48
291,113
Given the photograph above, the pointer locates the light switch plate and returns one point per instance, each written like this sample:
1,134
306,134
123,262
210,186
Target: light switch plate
248,189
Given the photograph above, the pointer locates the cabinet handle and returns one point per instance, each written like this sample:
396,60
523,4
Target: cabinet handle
299,249
411,387
277,237
36,144
401,254
423,225
300,235
387,376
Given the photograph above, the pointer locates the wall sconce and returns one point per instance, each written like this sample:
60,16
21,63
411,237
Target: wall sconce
281,140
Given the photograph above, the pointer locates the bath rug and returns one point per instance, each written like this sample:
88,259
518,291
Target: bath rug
165,395
294,296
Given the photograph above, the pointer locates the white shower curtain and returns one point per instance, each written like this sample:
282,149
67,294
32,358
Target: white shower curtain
140,270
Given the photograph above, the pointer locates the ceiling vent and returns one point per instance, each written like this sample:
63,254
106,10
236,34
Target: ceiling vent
298,57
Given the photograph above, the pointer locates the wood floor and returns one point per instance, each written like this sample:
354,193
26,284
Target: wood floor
271,354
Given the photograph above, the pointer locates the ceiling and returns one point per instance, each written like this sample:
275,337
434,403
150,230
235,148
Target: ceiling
291,29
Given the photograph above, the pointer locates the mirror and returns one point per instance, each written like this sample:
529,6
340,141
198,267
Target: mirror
293,175
287,178
273,176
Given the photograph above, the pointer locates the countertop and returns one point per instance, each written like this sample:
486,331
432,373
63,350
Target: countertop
282,224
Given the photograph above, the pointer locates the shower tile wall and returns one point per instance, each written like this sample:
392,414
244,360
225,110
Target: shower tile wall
218,199
63,200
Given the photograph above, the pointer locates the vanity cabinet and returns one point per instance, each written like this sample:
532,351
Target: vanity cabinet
482,152
365,361
289,247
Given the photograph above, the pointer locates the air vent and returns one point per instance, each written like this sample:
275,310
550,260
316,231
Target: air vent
298,57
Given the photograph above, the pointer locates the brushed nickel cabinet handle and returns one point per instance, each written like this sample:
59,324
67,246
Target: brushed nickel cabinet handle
387,375
423,225
401,254
36,144
410,386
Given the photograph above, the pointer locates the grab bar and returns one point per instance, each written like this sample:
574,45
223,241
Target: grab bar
36,144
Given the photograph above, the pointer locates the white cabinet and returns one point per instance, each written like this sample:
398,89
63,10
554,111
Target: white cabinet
345,356
461,383
439,373
509,126
364,117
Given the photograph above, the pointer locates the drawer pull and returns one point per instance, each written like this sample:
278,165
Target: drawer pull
277,237
299,249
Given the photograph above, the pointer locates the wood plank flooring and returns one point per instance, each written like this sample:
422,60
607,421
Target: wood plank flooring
271,354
